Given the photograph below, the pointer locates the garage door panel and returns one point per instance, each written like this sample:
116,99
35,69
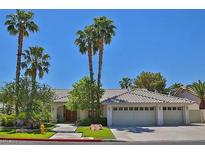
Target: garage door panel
134,117
173,117
195,116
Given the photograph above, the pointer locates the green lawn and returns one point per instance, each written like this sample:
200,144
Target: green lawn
10,133
105,133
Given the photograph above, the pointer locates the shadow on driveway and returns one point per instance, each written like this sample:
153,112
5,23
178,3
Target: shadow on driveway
134,129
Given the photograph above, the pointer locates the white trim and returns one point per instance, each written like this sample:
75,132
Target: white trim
186,115
109,115
159,115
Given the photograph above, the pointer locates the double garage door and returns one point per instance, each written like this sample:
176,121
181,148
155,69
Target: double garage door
145,116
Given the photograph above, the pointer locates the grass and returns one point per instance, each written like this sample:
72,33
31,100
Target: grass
105,133
10,133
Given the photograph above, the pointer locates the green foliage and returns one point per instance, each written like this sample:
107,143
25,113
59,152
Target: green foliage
150,81
7,120
80,97
21,19
126,83
105,133
89,121
41,107
199,89
35,62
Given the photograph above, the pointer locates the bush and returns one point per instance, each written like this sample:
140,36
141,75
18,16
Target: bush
89,121
8,120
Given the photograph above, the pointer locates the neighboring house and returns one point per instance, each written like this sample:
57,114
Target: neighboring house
126,108
195,114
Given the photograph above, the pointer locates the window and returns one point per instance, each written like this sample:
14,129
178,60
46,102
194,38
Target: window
120,108
169,108
141,108
151,108
125,108
136,108
115,108
146,108
131,108
164,108
174,108
179,108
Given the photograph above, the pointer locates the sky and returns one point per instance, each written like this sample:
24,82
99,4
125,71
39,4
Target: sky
171,42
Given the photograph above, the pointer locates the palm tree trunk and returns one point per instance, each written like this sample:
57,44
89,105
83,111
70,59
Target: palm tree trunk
99,73
18,68
202,105
90,62
91,77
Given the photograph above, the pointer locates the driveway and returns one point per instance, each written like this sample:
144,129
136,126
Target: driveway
195,132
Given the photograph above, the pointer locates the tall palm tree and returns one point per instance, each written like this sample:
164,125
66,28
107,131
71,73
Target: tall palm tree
20,23
35,63
125,83
199,90
105,30
87,43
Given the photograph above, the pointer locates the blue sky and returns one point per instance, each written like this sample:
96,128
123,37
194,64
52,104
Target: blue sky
171,42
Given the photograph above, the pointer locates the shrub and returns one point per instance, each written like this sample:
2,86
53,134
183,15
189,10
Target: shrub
89,121
8,120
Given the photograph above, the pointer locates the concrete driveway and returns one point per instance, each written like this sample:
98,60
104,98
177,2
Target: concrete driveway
194,132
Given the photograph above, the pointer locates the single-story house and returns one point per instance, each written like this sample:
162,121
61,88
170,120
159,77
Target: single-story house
195,115
138,107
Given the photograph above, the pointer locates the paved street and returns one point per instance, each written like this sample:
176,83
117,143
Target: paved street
195,132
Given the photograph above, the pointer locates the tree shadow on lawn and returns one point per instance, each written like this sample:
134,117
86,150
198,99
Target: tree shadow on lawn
134,129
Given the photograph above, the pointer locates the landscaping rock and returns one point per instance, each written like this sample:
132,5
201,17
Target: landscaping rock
95,127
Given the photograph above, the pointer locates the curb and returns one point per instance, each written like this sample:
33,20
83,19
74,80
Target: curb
53,140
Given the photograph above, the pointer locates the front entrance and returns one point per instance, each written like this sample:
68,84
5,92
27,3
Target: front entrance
70,116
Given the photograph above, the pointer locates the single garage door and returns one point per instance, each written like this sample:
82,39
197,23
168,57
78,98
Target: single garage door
195,116
134,116
173,115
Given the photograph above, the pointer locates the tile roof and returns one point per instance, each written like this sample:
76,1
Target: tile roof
125,96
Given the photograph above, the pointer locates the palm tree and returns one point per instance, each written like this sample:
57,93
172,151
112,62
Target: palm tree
125,83
199,90
105,30
20,23
87,43
35,63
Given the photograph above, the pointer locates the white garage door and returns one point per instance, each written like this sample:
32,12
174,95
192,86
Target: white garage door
195,116
134,116
173,115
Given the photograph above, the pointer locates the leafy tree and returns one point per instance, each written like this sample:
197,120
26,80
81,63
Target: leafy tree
150,81
8,98
199,89
125,83
80,96
105,31
20,23
41,107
